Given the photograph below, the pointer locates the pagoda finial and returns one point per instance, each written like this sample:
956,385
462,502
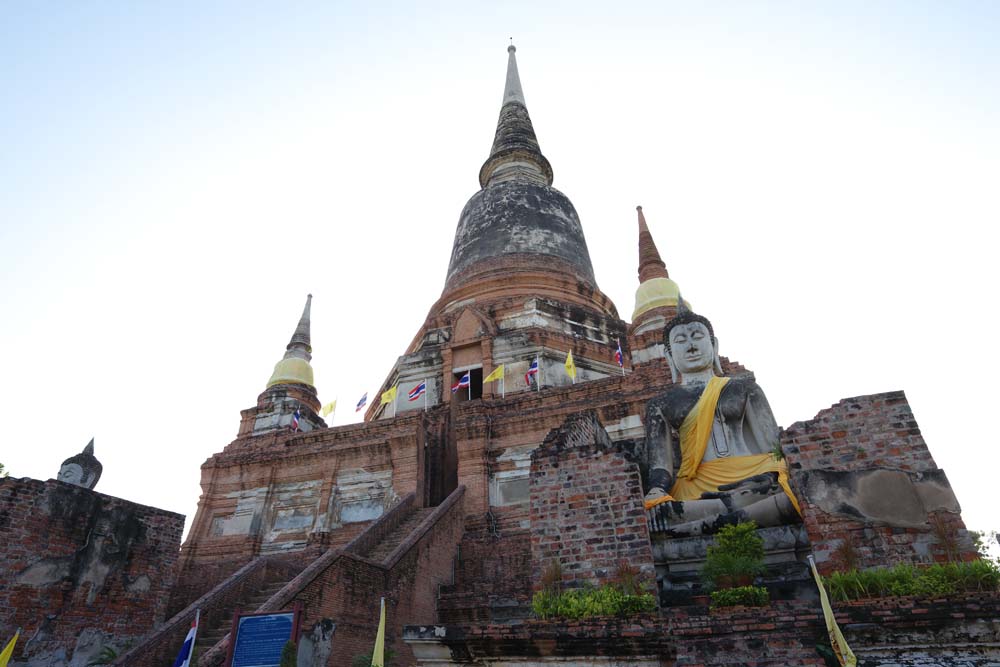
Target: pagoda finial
294,367
656,289
515,155
650,264
301,335
512,90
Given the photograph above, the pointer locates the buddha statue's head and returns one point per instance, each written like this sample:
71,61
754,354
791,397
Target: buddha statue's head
690,343
83,469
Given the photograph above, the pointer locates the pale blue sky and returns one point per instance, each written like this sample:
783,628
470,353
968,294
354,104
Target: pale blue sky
821,180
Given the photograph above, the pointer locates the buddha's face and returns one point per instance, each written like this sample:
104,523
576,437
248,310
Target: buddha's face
71,473
691,347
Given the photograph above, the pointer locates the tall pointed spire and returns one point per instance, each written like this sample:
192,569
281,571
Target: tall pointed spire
301,336
656,289
512,90
515,154
650,264
294,367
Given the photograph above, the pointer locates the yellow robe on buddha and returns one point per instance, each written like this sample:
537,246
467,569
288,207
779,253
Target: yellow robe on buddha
696,476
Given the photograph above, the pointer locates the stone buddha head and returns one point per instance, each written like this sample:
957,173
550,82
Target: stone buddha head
691,344
83,469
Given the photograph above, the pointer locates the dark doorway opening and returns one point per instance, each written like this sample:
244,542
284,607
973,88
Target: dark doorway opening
475,388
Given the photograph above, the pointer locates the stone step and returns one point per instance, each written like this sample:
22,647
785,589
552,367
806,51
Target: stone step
382,550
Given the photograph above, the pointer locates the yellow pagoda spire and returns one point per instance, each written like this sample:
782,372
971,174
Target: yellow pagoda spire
294,367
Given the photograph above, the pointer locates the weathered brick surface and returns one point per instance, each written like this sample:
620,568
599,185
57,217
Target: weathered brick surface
586,507
862,433
75,562
492,578
345,585
963,630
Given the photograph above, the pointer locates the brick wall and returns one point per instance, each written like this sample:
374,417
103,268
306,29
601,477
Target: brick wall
347,587
586,507
81,569
859,435
906,632
348,592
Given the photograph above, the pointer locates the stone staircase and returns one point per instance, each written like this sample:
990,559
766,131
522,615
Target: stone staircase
211,634
388,544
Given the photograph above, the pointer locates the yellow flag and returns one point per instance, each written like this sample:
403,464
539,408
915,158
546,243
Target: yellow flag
844,653
378,653
497,374
328,408
570,366
8,650
388,396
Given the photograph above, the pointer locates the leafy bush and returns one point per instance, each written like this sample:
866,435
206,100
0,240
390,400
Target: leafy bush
608,600
289,655
748,596
935,580
738,552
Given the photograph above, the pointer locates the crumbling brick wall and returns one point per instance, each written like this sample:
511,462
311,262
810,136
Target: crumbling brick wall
861,453
586,507
81,569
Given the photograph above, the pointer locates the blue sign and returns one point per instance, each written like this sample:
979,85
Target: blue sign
259,639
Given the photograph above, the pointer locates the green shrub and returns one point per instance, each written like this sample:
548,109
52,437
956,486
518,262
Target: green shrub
738,552
749,596
588,602
931,581
289,654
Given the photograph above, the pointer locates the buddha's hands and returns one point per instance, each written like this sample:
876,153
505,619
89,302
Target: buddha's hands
654,493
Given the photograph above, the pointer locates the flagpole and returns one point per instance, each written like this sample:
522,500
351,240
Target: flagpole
538,377
619,350
197,626
425,394
503,385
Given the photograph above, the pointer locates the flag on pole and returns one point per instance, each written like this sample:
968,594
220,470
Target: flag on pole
418,391
295,420
184,657
844,653
388,396
532,370
8,650
619,357
496,374
329,408
464,381
362,402
378,653
570,366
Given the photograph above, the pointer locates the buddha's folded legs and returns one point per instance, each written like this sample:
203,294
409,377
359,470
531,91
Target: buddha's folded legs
695,518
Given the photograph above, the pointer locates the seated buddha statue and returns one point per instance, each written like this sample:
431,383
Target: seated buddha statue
721,468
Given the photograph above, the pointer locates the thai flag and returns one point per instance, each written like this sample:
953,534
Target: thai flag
532,370
184,657
418,391
465,381
619,357
362,402
295,420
